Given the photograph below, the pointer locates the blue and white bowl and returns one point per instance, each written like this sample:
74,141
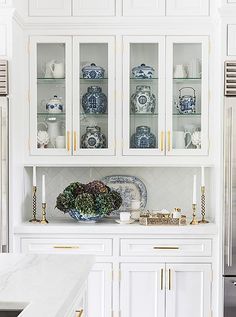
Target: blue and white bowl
76,215
93,72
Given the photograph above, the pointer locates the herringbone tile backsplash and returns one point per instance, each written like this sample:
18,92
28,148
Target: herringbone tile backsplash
166,187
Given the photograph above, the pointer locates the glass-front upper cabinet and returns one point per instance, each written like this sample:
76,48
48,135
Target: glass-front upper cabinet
143,95
187,95
50,95
94,91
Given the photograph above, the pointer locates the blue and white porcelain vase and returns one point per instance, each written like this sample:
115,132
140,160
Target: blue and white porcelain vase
93,71
94,101
143,100
93,138
143,138
143,72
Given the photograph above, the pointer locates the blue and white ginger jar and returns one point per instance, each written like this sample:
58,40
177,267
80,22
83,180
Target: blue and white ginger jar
143,72
143,138
93,138
94,100
143,100
54,105
93,72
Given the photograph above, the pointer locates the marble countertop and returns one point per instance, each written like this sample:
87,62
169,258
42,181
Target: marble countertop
44,285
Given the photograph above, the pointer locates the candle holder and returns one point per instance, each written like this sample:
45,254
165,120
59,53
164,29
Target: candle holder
44,220
34,206
194,220
203,205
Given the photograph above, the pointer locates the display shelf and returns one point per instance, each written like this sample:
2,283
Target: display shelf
51,114
144,114
93,81
187,114
187,80
54,81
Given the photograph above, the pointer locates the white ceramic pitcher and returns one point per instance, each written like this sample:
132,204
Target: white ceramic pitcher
54,129
58,70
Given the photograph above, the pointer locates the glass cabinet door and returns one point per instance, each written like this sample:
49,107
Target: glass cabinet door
187,95
143,95
50,95
94,89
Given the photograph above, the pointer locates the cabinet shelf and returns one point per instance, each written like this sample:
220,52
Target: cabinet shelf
82,114
54,81
187,80
187,115
93,81
50,114
144,114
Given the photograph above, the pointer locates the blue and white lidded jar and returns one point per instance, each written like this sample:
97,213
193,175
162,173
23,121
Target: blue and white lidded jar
54,105
94,100
143,138
93,72
143,100
143,71
93,138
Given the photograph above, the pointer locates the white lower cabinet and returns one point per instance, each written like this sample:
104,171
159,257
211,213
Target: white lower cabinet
99,293
171,290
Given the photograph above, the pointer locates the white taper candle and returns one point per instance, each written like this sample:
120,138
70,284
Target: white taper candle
34,176
43,190
203,176
194,189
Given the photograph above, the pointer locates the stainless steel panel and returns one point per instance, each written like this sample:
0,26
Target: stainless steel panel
230,296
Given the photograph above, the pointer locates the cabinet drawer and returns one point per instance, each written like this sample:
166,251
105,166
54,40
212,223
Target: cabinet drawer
49,8
231,40
166,247
102,247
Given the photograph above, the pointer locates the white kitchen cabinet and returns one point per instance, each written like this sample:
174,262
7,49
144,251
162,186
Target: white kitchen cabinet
142,290
95,113
99,293
231,40
187,7
145,97
188,291
94,7
143,8
187,98
49,8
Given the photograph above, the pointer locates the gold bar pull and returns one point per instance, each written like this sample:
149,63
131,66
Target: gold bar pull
168,140
75,141
65,247
79,313
166,248
68,141
169,279
162,271
162,141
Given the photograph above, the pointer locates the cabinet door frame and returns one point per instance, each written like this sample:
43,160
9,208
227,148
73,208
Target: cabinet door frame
126,268
172,9
34,40
157,10
127,40
65,10
206,271
204,41
110,41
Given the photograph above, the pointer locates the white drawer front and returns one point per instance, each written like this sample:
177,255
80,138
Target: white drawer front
231,39
165,247
49,7
102,247
94,7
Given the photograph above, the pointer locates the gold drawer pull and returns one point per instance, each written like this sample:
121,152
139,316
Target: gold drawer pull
68,141
66,247
75,141
166,248
162,271
79,313
168,139
169,279
162,141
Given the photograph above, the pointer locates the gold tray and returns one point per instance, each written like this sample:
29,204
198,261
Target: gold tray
158,221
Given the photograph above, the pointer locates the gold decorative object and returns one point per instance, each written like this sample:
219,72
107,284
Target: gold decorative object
194,220
44,220
148,219
34,206
203,205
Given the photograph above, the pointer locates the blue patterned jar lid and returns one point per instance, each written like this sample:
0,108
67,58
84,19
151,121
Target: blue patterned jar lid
92,66
143,88
143,67
94,89
143,129
93,129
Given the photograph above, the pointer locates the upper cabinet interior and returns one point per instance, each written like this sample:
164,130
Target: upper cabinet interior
110,8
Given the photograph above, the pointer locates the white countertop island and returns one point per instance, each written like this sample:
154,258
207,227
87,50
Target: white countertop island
42,285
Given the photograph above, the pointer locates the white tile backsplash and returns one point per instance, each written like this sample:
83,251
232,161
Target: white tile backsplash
166,187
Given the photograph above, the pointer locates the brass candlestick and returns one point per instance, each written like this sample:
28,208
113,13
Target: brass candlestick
34,206
44,220
194,220
203,205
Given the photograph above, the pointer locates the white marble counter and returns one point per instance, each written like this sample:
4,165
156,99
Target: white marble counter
44,285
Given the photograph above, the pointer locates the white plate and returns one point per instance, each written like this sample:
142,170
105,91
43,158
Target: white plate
125,222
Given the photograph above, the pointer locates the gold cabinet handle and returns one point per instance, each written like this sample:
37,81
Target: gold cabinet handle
162,272
162,141
75,141
68,141
169,279
65,247
79,313
168,140
166,248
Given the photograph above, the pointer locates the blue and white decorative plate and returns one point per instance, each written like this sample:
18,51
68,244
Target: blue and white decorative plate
129,187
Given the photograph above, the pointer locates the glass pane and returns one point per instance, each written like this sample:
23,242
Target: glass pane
187,96
143,95
94,106
51,107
